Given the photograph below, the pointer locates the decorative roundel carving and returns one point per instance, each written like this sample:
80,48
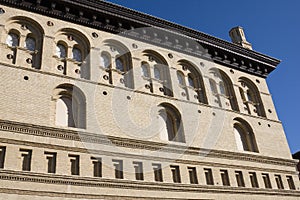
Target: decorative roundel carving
24,27
257,81
255,110
196,96
2,11
10,56
95,35
199,111
29,60
128,97
170,55
112,49
227,104
184,68
183,94
147,86
122,80
161,89
202,64
135,46
231,71
70,37
49,23
60,67
77,71
105,77
214,114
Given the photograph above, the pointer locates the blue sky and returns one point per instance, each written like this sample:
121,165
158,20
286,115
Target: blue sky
273,28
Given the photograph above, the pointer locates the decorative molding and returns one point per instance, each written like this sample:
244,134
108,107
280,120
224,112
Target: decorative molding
82,135
74,195
137,185
116,19
141,157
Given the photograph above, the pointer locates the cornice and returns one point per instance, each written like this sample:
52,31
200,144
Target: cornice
116,19
136,185
82,135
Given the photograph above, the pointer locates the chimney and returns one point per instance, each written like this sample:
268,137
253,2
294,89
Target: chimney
238,37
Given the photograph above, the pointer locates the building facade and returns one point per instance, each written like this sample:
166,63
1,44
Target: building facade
102,102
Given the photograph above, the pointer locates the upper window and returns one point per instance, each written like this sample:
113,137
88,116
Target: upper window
120,64
251,97
30,44
180,77
157,74
222,89
77,55
104,60
145,69
12,40
61,51
191,80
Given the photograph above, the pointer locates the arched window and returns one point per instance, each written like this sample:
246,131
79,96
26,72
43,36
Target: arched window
157,73
70,106
23,32
120,64
72,56
244,136
191,80
30,43
12,40
222,89
213,86
180,77
145,70
105,60
77,55
251,97
64,112
173,124
61,51
190,77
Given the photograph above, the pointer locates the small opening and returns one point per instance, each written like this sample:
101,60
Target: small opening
170,55
128,97
257,81
26,78
270,111
134,46
269,125
232,71
95,35
199,111
105,93
259,123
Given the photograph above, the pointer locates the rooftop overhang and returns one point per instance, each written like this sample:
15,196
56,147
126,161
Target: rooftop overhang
116,19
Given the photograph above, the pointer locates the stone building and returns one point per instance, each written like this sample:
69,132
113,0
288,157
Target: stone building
103,102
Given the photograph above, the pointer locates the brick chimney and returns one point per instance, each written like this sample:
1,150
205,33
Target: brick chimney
238,37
